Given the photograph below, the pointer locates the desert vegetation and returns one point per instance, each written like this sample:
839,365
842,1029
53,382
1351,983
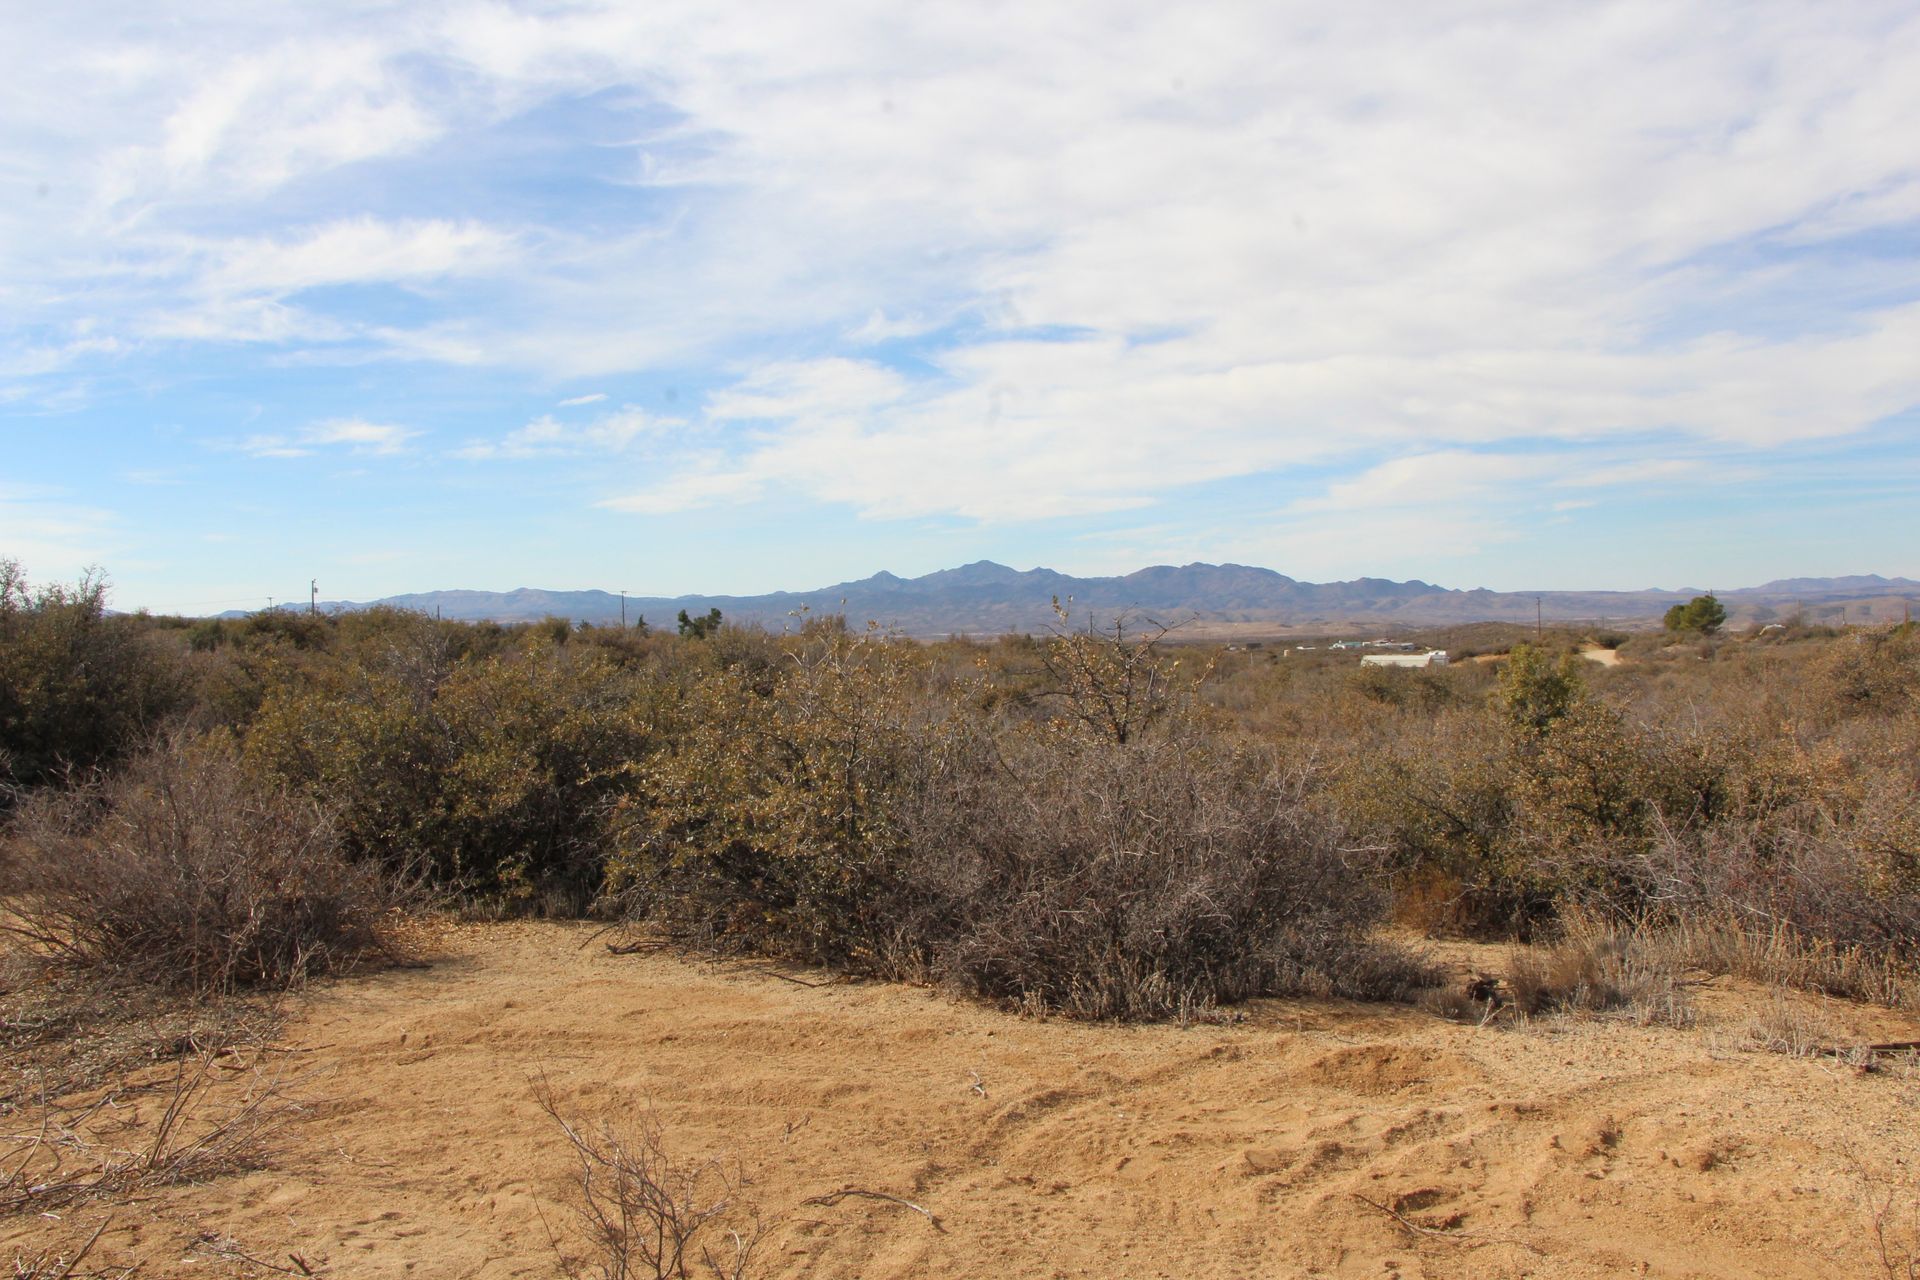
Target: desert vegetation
1104,824
1108,824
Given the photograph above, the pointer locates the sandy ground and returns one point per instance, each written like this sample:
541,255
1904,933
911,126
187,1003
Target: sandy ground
1605,657
1252,1149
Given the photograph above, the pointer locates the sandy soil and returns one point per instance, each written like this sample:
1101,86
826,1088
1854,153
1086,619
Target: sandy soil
1269,1147
1605,657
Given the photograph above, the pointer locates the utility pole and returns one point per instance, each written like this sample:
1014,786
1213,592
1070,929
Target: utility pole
1539,626
269,604
313,598
623,608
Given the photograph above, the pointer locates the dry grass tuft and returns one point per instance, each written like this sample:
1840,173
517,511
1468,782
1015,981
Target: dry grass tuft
1779,955
1595,969
1788,1027
59,1155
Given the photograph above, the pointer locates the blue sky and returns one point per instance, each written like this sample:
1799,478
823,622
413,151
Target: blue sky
729,298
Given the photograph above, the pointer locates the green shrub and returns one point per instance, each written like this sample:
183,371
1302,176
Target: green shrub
770,820
78,687
1535,689
495,778
1702,614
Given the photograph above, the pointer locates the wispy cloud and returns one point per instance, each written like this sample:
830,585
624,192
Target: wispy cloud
611,433
1062,262
351,434
349,251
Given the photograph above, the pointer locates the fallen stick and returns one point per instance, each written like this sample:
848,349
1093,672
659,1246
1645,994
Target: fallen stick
1456,1237
784,977
835,1197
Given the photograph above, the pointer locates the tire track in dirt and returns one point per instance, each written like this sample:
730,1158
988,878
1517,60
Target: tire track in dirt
1275,1147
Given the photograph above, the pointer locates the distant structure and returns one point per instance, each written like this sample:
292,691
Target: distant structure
1431,658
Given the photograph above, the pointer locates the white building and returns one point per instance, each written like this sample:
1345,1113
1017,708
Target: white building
1431,658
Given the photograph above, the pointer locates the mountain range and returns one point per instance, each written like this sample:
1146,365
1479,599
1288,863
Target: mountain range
985,598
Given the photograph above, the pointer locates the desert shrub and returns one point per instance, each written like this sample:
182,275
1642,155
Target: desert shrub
770,821
1151,878
647,1214
78,687
493,778
1424,689
293,627
180,871
1116,682
1535,689
1119,859
1873,671
1584,789
1442,803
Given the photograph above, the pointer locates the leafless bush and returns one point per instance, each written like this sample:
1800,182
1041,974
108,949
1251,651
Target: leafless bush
181,873
1821,904
1146,879
648,1215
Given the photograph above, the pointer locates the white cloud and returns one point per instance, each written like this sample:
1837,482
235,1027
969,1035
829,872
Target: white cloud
689,490
352,434
573,401
349,251
1159,248
611,433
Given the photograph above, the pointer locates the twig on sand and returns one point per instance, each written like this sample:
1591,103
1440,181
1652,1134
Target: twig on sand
835,1197
219,1248
45,1264
214,1245
1437,1233
784,977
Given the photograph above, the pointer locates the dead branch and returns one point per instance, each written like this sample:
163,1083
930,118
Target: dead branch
1454,1237
634,948
835,1197
771,972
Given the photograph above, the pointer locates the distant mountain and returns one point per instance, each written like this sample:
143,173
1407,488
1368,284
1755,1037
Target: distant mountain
985,598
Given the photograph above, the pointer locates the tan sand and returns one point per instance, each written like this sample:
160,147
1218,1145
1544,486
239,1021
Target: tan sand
1568,1148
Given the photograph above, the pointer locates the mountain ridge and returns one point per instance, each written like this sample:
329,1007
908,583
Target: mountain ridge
985,597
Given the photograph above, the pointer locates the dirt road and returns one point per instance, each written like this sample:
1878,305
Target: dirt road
1282,1145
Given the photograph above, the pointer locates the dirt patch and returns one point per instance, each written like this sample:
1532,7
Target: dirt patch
1306,1140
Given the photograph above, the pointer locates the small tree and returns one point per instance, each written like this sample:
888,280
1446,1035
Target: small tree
1535,690
1703,614
1114,681
699,628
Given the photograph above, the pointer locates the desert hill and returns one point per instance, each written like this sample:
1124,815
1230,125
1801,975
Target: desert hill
985,598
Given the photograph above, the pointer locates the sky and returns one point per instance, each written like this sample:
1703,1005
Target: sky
724,297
